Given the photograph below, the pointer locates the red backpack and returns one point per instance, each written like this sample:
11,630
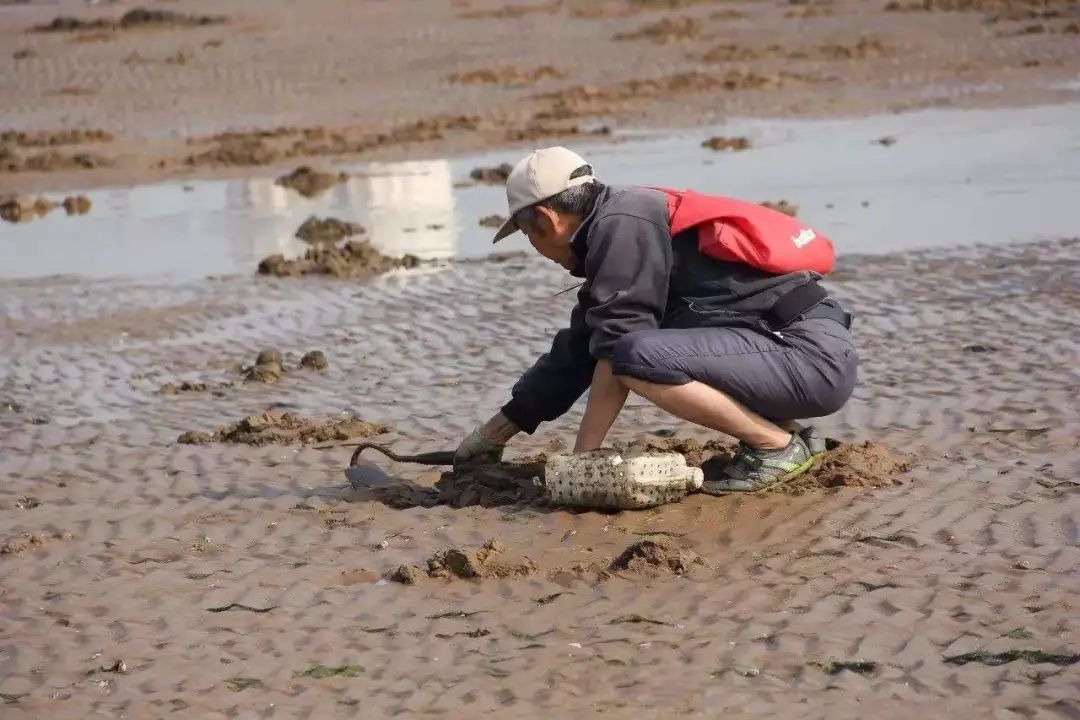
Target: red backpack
736,231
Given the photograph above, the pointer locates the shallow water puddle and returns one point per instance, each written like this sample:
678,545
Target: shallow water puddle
949,178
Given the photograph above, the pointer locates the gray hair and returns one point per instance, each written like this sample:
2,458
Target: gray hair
577,200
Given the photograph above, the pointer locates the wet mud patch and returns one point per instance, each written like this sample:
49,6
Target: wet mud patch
46,138
508,483
186,387
781,206
496,175
270,366
355,260
862,49
584,100
310,182
30,541
13,161
996,9
134,19
665,31
487,561
719,143
330,230
285,428
508,75
23,208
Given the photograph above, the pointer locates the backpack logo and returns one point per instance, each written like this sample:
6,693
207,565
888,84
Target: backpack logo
803,238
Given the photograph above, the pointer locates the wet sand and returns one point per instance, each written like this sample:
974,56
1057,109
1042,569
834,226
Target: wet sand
273,86
220,575
239,573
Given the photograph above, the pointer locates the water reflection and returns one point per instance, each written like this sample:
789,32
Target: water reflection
953,177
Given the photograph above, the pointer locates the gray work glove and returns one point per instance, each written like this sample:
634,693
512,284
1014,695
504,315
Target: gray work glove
478,450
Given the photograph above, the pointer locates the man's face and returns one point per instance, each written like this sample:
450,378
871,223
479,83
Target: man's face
550,234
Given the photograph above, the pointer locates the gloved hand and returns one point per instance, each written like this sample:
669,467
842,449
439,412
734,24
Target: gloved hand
478,450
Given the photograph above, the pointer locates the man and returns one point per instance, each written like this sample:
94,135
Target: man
674,309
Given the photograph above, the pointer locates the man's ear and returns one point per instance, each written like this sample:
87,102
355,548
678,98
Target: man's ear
547,220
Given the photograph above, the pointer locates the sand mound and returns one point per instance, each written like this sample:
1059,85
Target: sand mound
356,259
506,75
269,366
46,138
719,143
667,30
77,205
492,175
21,208
186,386
456,563
285,428
136,19
865,465
329,230
656,557
314,360
781,206
51,161
310,182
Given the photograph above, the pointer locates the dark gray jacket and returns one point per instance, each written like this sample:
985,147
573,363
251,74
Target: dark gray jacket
637,277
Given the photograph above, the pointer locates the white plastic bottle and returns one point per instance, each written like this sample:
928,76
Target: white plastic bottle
605,480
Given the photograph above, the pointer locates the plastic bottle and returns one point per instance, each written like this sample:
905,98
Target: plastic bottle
606,480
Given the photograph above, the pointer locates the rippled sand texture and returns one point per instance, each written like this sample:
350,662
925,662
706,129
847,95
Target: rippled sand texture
237,581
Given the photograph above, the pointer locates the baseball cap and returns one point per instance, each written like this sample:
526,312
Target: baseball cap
538,176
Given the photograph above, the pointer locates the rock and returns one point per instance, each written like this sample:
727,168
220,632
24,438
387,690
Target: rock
492,221
192,437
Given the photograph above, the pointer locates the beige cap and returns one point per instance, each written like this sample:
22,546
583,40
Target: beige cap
538,176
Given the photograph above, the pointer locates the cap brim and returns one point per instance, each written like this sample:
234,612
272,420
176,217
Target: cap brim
507,229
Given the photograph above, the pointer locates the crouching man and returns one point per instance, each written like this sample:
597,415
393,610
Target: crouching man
708,307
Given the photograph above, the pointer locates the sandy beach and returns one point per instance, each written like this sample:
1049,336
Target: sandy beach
163,557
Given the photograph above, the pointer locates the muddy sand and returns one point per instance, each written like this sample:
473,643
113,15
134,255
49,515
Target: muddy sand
355,259
866,465
841,57
245,572
276,427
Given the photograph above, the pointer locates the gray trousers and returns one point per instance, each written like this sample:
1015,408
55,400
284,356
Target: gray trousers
807,370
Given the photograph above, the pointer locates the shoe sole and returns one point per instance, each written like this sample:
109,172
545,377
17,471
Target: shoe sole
778,481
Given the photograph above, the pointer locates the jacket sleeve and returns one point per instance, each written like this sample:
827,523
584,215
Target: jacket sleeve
627,270
554,383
